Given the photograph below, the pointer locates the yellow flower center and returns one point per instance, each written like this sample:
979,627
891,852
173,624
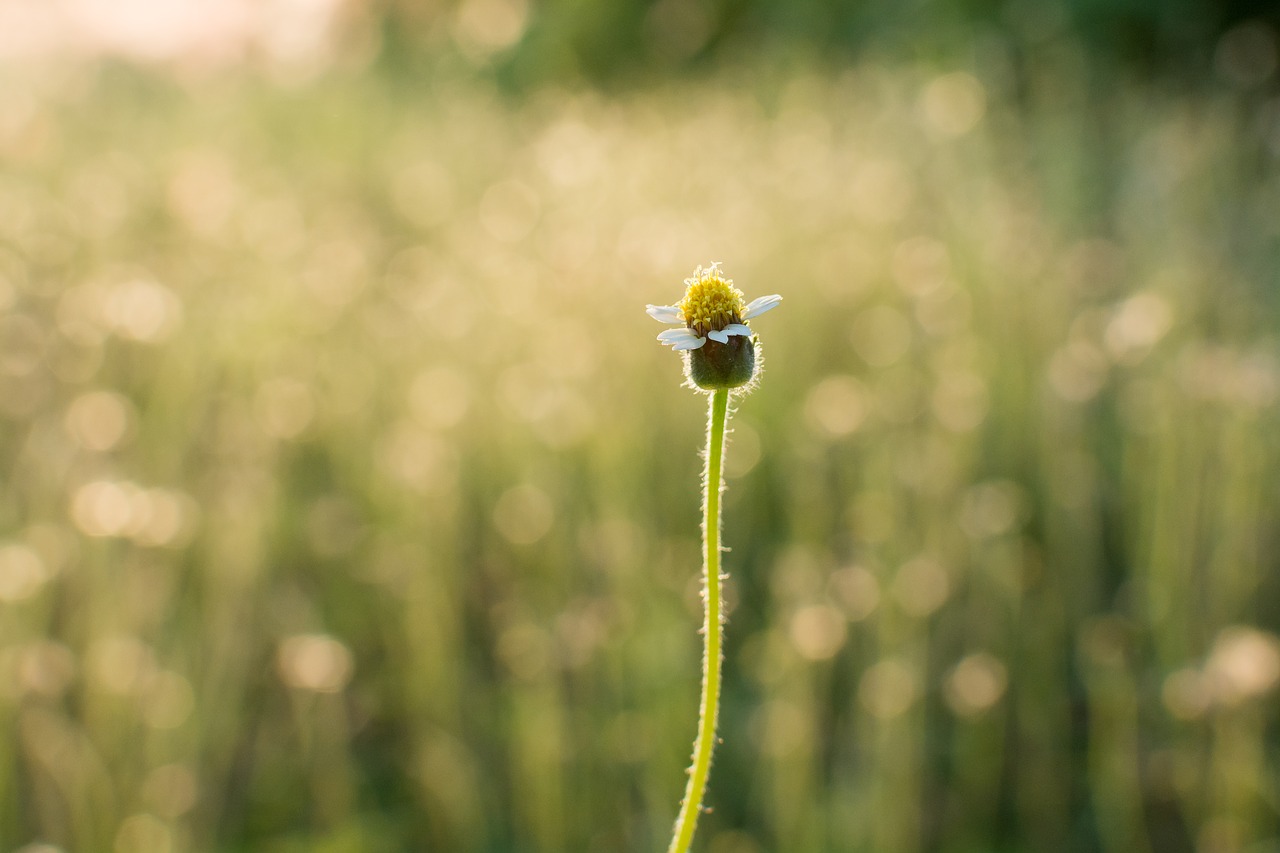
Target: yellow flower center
711,301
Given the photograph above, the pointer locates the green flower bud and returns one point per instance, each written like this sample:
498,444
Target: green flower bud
716,365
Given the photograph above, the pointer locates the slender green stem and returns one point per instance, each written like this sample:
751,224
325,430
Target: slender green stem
712,626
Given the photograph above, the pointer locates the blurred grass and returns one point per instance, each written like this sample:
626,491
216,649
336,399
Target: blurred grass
350,506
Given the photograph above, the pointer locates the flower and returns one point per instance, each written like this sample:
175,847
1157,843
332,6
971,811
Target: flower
712,309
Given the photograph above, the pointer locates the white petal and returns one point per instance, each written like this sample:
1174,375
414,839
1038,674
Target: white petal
722,337
737,329
681,339
665,314
758,306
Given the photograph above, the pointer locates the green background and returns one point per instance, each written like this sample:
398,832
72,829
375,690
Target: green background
348,503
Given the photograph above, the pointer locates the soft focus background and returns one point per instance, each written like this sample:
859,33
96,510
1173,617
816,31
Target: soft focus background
348,504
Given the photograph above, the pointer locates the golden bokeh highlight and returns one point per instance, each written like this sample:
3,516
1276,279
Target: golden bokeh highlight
318,663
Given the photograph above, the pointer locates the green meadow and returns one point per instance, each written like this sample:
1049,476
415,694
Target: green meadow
347,502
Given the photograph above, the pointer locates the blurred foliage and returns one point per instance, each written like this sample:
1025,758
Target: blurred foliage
349,505
634,40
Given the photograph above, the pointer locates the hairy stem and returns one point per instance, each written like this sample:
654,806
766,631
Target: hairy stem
712,627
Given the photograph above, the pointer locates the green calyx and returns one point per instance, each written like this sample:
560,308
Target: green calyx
722,366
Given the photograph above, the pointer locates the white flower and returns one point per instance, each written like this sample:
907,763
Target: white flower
712,308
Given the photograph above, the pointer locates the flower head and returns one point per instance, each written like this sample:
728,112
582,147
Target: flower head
712,309
713,319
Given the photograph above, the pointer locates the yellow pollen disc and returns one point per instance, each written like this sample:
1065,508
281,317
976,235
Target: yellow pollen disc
711,301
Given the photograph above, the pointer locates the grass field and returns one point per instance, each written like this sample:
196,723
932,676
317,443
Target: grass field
348,504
